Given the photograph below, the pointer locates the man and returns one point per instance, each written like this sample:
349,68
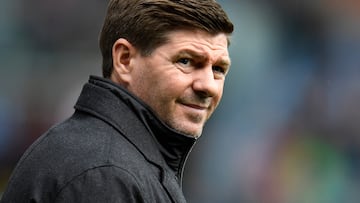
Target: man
164,66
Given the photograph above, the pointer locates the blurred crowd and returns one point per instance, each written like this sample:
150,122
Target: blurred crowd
287,130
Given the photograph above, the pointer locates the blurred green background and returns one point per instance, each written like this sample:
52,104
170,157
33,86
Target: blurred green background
288,127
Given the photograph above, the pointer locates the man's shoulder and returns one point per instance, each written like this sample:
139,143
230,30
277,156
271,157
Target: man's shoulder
79,146
82,140
78,143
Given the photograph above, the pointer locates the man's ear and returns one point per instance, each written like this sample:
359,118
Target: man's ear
122,53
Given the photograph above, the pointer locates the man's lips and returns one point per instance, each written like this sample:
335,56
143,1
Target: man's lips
196,106
196,103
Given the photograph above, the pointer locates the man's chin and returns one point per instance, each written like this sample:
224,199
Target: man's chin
189,128
191,132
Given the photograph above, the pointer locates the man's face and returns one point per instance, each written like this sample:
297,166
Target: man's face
182,80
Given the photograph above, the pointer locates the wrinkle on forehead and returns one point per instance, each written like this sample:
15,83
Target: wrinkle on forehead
219,41
214,47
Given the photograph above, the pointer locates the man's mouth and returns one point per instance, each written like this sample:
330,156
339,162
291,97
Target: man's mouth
197,106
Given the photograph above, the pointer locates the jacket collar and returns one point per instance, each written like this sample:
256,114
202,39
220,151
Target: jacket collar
137,122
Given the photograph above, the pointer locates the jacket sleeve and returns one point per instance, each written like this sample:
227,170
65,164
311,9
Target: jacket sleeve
102,184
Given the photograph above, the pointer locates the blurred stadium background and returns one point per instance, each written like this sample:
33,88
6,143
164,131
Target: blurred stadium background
287,130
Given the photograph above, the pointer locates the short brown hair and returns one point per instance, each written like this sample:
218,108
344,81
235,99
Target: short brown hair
145,23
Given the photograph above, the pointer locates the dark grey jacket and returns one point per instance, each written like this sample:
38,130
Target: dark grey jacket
112,149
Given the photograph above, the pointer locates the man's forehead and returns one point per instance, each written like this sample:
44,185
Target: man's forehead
197,44
198,36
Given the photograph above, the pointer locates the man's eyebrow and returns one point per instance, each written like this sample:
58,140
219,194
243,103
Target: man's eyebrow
193,54
198,56
224,62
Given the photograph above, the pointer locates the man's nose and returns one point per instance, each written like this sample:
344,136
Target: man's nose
204,82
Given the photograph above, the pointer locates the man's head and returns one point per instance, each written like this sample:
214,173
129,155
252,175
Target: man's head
145,23
172,54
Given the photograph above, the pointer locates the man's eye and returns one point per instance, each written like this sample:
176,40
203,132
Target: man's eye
184,61
219,69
